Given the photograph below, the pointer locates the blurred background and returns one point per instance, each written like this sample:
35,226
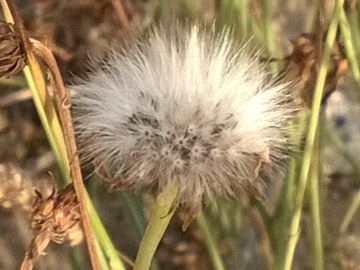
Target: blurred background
77,30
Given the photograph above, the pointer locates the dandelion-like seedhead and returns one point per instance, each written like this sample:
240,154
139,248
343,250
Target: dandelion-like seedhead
189,106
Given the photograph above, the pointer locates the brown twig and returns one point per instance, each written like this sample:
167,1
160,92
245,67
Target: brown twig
63,107
66,122
121,14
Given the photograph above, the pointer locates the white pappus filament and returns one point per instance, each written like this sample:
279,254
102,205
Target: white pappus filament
188,105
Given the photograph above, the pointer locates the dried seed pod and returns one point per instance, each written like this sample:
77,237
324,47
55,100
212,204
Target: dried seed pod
301,67
55,218
12,55
58,213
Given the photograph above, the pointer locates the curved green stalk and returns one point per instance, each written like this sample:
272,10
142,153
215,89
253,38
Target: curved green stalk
159,220
311,134
210,242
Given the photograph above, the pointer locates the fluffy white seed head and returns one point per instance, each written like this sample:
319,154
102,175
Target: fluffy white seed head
189,106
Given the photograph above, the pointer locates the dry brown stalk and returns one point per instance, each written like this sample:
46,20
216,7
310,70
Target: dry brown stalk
65,117
63,107
123,18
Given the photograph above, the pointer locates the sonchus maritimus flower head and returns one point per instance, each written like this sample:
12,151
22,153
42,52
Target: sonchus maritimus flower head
189,106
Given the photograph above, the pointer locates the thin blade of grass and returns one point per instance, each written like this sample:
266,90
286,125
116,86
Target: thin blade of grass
316,231
311,134
210,242
349,47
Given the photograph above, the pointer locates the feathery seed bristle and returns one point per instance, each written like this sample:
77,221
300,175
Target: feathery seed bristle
190,105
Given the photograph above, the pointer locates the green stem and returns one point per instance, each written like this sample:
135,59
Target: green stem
159,221
268,35
334,140
316,232
102,259
14,81
134,213
311,134
210,242
349,47
244,18
279,223
354,23
350,213
103,238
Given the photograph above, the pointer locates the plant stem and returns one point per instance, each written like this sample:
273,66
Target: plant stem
43,103
349,47
14,81
63,109
244,16
134,213
316,232
210,242
104,239
159,220
334,140
350,213
268,35
102,259
311,134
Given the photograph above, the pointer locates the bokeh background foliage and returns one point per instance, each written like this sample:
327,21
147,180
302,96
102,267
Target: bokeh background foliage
244,234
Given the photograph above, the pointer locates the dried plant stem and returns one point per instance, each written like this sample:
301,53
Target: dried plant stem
159,220
63,108
311,135
210,242
36,82
121,14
